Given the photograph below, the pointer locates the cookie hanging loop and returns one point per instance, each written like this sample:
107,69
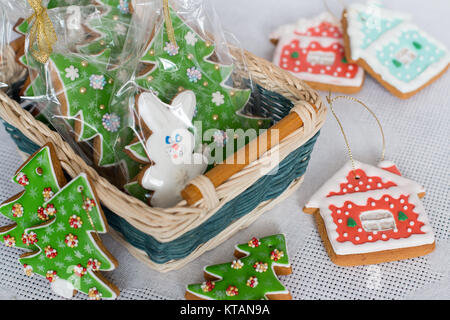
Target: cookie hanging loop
330,102
168,22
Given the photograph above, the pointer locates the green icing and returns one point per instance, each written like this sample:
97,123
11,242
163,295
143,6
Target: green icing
137,150
402,216
267,281
65,3
136,190
68,202
417,45
351,223
185,65
295,55
112,27
32,198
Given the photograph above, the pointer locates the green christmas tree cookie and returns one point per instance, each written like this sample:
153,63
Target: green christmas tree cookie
253,276
41,176
186,65
70,253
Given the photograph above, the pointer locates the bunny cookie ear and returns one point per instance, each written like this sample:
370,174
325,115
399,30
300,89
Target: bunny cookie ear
152,111
187,101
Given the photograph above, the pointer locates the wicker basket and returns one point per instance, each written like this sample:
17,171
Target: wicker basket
167,239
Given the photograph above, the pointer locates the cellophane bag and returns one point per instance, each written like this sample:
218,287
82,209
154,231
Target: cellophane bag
75,86
187,97
10,45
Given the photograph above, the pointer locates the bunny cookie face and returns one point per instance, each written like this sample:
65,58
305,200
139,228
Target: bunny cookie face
170,147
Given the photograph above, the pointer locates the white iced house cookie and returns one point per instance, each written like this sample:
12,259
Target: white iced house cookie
371,215
401,56
313,50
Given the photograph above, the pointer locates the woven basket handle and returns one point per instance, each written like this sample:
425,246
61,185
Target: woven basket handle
224,171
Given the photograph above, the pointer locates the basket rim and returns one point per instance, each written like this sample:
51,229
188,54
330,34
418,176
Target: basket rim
166,224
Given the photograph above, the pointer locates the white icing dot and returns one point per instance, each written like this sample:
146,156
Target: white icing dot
304,51
349,206
328,68
297,62
332,29
335,46
346,213
286,52
375,232
324,34
370,237
402,200
391,206
357,189
373,204
338,211
322,71
345,234
409,229
383,236
335,74
339,220
345,190
379,185
313,45
386,199
339,69
411,223
361,183
293,45
370,180
285,59
348,75
350,67
357,238
396,230
405,207
309,69
285,65
359,230
368,186
316,29
296,69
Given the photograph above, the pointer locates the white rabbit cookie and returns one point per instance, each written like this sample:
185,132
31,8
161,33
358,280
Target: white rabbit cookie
169,145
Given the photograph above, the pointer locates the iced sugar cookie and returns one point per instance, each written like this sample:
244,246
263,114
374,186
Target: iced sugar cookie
313,50
400,55
371,215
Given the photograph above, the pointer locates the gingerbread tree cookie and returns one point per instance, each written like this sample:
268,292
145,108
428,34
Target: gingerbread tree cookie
171,68
41,176
70,252
252,276
371,215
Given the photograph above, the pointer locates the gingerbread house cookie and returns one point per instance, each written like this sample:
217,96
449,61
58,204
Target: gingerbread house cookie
371,215
401,56
313,50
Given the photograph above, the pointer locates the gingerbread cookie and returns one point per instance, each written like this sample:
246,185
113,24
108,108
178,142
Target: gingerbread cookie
397,53
371,215
170,146
313,50
41,176
70,253
252,276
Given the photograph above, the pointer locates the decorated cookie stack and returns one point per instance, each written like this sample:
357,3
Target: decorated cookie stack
59,225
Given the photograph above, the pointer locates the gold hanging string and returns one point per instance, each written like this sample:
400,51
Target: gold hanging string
169,25
42,32
330,102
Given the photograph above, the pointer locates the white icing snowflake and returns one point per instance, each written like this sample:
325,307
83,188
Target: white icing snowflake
78,254
68,258
87,281
218,98
61,244
50,230
120,29
88,249
41,257
71,197
62,211
60,226
191,38
41,268
76,208
45,239
33,192
61,199
72,73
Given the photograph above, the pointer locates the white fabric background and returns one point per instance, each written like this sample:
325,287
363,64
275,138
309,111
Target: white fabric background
417,132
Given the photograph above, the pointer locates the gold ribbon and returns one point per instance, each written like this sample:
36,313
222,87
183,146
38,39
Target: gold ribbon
42,32
330,101
169,25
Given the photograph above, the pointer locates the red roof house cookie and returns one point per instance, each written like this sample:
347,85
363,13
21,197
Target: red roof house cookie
313,50
371,215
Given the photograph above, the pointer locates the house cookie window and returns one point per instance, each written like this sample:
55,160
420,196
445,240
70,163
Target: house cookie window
377,220
321,58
